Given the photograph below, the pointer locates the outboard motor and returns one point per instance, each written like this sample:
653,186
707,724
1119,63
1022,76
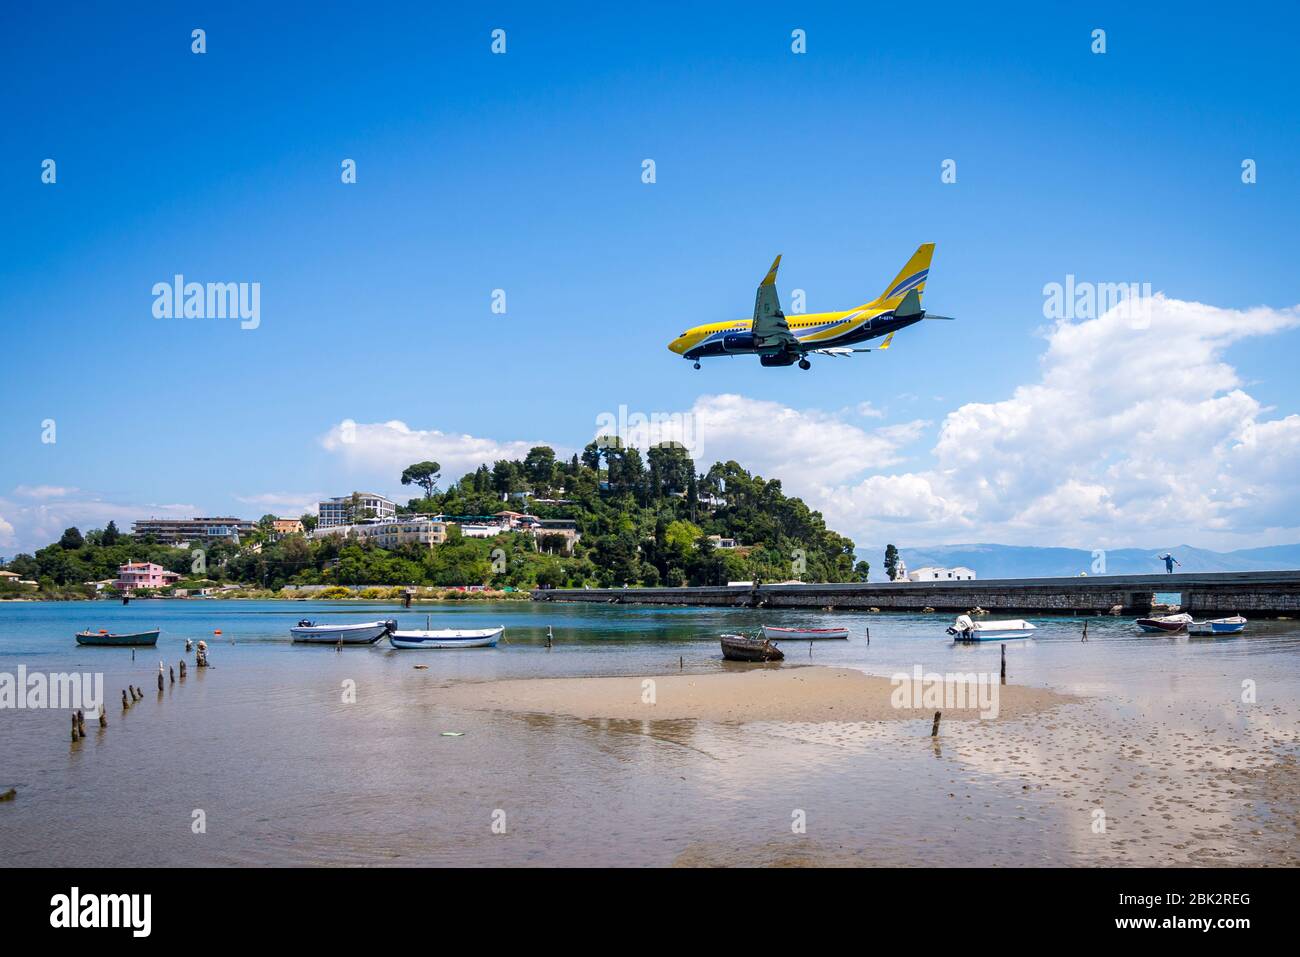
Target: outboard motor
962,627
390,625
305,623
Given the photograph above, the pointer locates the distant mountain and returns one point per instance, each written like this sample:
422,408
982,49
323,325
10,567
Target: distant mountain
1027,561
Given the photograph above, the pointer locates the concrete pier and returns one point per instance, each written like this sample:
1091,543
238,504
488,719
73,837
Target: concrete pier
1209,595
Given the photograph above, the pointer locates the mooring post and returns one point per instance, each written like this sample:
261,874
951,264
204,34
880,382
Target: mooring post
81,722
1004,664
103,717
681,662
171,673
75,736
868,636
125,703
160,682
934,728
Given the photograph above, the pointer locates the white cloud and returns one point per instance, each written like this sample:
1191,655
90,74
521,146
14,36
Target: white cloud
285,504
43,491
26,525
1137,428
381,450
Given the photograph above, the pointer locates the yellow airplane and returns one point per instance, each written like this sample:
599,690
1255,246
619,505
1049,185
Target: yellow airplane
780,340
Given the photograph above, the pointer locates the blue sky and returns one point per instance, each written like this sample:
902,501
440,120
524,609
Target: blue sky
523,172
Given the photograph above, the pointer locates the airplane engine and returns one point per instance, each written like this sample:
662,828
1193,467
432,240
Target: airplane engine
738,342
780,359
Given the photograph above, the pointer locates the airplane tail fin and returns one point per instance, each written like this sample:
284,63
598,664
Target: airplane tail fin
911,277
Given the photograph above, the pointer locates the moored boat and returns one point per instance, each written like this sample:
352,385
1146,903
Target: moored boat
966,629
740,648
803,634
1218,626
102,637
362,633
447,638
1168,624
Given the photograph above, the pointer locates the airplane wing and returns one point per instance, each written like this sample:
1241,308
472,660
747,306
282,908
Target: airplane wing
770,327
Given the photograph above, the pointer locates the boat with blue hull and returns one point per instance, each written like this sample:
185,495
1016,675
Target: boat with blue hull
133,640
1218,626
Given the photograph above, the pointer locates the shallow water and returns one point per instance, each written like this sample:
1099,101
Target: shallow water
284,771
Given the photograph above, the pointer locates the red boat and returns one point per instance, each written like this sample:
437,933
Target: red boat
1169,624
803,634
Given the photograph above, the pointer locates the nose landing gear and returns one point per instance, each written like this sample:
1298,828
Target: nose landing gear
805,364
697,365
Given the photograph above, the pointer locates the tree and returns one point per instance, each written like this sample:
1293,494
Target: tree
423,474
891,561
267,522
71,539
861,571
309,522
111,535
539,464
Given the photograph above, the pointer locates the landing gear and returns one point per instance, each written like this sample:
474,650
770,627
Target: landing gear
805,364
697,365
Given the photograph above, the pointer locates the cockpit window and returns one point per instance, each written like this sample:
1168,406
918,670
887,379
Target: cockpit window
682,336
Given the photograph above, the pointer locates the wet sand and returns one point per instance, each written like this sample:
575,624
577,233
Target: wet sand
800,694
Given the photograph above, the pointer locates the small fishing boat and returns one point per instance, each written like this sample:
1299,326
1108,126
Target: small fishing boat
1168,624
1218,626
102,637
740,648
363,633
803,634
447,638
965,629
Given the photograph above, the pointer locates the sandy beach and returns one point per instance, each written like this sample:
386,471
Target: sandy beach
811,693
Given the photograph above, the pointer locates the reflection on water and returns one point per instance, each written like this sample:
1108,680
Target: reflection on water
286,770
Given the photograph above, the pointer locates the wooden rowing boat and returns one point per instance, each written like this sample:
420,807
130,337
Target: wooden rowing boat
803,634
102,637
740,648
1169,624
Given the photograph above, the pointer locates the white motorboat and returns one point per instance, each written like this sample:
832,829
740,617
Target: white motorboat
966,629
802,634
364,633
1218,626
447,638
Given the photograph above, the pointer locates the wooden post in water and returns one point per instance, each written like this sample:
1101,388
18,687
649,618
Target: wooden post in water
125,704
160,681
934,728
171,673
868,636
1004,664
75,736
182,664
103,717
681,662
81,723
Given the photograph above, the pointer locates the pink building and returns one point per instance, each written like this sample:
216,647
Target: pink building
135,575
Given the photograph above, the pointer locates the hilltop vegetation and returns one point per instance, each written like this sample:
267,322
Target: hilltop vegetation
643,520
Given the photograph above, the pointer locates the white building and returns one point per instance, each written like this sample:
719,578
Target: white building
933,573
349,509
417,529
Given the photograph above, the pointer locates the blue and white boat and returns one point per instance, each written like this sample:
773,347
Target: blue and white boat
1218,626
447,638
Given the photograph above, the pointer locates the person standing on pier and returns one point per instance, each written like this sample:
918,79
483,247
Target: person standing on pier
1170,562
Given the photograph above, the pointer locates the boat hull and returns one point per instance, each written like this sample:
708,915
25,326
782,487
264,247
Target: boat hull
1168,625
804,634
966,629
366,633
139,639
1218,626
446,638
739,648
